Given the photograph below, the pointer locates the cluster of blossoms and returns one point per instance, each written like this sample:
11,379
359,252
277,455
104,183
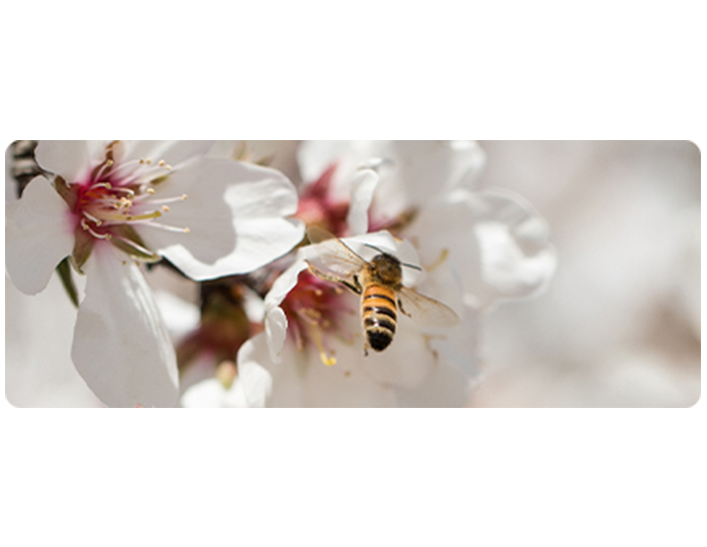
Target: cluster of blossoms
270,332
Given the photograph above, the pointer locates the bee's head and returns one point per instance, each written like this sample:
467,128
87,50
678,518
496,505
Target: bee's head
387,269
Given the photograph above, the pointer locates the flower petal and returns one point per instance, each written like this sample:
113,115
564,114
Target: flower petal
208,393
249,390
425,170
38,367
172,152
301,380
407,362
121,346
362,188
497,243
72,160
38,235
234,212
253,380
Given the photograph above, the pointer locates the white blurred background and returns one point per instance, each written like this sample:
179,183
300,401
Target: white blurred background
620,323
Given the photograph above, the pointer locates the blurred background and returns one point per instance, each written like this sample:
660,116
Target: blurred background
620,323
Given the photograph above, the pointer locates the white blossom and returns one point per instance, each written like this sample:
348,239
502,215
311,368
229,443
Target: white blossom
107,205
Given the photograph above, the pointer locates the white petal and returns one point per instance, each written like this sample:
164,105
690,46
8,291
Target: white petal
73,160
234,212
407,362
287,280
249,390
173,153
38,367
275,319
253,381
424,171
315,157
38,235
276,332
121,346
446,387
301,380
362,188
495,241
259,241
206,394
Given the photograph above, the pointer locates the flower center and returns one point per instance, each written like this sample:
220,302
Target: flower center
312,309
117,197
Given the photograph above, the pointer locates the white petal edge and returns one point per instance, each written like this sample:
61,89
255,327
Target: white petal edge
121,346
362,188
38,235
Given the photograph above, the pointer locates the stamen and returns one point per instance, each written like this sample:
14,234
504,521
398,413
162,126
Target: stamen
128,191
165,208
106,165
169,228
137,247
129,167
90,217
316,335
86,227
122,217
100,185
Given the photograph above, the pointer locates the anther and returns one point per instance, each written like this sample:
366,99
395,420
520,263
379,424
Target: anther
165,208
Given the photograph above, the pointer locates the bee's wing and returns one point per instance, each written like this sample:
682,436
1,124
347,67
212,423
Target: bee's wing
331,259
426,311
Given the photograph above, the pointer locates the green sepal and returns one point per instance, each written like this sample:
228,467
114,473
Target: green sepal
64,271
83,245
125,231
68,195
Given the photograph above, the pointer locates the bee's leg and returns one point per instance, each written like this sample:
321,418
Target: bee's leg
402,310
358,289
328,277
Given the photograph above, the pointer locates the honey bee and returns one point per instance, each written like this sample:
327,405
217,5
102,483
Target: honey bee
380,284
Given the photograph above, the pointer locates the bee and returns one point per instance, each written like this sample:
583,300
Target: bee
379,282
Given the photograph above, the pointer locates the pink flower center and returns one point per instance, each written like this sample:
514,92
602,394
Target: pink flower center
116,197
314,308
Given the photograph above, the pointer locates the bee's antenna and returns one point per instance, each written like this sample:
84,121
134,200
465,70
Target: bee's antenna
376,248
411,266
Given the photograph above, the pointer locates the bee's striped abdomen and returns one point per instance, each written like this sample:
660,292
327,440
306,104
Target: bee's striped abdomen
379,315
